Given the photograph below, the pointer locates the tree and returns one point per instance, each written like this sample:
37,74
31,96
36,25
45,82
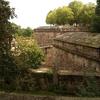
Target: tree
98,8
27,32
28,54
51,17
75,13
96,21
7,65
60,16
17,30
87,14
64,16
76,7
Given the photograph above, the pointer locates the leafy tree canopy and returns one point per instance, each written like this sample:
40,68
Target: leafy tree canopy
98,8
96,21
60,16
17,30
87,14
76,12
51,17
76,7
63,15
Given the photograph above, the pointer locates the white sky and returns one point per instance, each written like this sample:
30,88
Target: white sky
32,13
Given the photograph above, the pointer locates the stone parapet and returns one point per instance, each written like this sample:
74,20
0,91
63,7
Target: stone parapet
78,52
61,29
14,96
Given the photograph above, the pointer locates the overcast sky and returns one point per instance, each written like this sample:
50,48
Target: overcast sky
32,13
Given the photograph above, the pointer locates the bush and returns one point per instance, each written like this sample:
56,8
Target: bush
90,87
29,55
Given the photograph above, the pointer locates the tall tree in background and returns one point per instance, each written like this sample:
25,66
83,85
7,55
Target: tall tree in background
76,7
98,8
75,13
60,16
27,32
96,20
64,15
51,17
7,66
87,14
18,31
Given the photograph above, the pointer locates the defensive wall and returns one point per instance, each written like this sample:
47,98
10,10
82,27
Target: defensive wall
44,36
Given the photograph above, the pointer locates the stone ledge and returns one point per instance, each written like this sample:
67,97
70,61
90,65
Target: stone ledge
14,96
77,53
60,29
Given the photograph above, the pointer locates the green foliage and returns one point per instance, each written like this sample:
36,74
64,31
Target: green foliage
96,24
27,32
89,88
51,17
87,14
96,20
5,38
76,7
75,13
60,16
30,55
63,16
17,30
8,69
98,8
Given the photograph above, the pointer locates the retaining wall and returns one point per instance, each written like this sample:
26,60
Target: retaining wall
8,96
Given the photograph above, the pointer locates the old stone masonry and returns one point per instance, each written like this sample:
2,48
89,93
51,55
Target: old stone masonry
71,51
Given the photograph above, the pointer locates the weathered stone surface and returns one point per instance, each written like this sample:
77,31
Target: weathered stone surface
44,39
78,52
44,36
9,96
61,29
86,39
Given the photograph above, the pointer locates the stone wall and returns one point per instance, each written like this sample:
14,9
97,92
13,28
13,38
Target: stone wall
43,83
49,56
45,35
73,63
12,96
78,53
44,39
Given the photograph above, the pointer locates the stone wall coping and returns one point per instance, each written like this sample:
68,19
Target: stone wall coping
16,96
80,38
77,73
82,54
60,29
48,46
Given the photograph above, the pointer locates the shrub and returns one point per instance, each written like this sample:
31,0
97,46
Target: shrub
29,55
90,87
